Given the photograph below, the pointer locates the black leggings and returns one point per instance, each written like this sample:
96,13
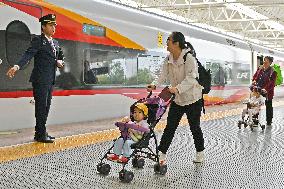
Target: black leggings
193,113
269,111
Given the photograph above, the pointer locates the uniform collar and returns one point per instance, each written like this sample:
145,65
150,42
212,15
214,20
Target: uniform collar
48,38
45,37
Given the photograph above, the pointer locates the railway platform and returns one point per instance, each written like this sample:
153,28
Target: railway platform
235,158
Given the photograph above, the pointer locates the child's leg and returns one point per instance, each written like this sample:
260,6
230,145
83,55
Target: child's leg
250,115
118,144
244,113
127,151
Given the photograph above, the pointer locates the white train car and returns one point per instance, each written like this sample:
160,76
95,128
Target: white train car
112,52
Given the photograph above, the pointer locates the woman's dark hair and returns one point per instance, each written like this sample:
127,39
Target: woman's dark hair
269,58
179,37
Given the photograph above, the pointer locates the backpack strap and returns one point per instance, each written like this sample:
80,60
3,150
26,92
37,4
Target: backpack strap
185,55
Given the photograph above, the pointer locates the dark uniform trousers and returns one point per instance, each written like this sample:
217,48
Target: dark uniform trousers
193,113
42,96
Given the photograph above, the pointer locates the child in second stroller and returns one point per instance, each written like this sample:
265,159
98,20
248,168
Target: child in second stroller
122,146
252,110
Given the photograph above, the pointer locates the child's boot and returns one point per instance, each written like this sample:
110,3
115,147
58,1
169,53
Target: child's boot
113,157
123,159
162,158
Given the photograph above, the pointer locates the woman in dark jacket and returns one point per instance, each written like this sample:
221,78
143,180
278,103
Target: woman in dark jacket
265,79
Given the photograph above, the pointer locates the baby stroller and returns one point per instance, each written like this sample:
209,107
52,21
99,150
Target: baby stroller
156,107
255,117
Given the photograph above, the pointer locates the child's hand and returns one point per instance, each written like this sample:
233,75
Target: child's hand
125,119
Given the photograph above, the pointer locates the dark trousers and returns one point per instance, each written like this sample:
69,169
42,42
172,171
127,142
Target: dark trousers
193,113
42,96
269,111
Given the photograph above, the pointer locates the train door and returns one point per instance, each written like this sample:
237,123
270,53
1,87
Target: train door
19,22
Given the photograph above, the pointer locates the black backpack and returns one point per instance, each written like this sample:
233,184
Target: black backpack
204,76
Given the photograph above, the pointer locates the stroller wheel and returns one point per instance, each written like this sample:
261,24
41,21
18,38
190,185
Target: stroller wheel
134,162
103,168
240,124
262,127
245,125
160,169
138,162
251,128
126,176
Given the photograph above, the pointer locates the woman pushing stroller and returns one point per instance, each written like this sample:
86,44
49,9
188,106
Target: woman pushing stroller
182,76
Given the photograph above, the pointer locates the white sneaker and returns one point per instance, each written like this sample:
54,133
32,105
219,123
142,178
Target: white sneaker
199,158
162,158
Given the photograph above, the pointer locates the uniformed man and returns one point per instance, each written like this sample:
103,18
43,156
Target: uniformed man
47,56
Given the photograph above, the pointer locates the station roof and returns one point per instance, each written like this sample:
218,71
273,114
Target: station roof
259,21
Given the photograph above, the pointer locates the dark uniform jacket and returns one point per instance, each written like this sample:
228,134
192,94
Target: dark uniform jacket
44,59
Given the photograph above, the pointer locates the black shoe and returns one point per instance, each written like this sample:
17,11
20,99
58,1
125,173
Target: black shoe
44,139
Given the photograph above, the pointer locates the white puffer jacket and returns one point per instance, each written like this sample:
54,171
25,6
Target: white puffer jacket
181,75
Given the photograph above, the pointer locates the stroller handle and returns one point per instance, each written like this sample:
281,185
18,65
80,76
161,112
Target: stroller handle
164,94
150,94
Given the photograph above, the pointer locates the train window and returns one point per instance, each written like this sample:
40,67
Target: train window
94,30
17,35
109,68
148,68
226,73
104,67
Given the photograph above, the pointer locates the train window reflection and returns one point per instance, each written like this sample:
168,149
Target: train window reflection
148,68
107,67
120,68
226,73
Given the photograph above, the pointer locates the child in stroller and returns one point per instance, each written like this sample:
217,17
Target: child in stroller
135,138
130,134
250,115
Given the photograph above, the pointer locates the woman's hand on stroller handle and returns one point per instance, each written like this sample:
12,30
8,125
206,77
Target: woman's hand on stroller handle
150,87
173,90
263,91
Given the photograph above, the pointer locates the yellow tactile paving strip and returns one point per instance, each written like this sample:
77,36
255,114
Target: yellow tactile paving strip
34,148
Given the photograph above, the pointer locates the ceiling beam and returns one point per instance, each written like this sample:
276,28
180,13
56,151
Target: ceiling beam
259,30
271,38
211,5
242,20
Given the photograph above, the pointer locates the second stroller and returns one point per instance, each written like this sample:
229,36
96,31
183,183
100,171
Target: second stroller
250,115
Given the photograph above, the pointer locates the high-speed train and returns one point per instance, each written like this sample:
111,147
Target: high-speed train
111,53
